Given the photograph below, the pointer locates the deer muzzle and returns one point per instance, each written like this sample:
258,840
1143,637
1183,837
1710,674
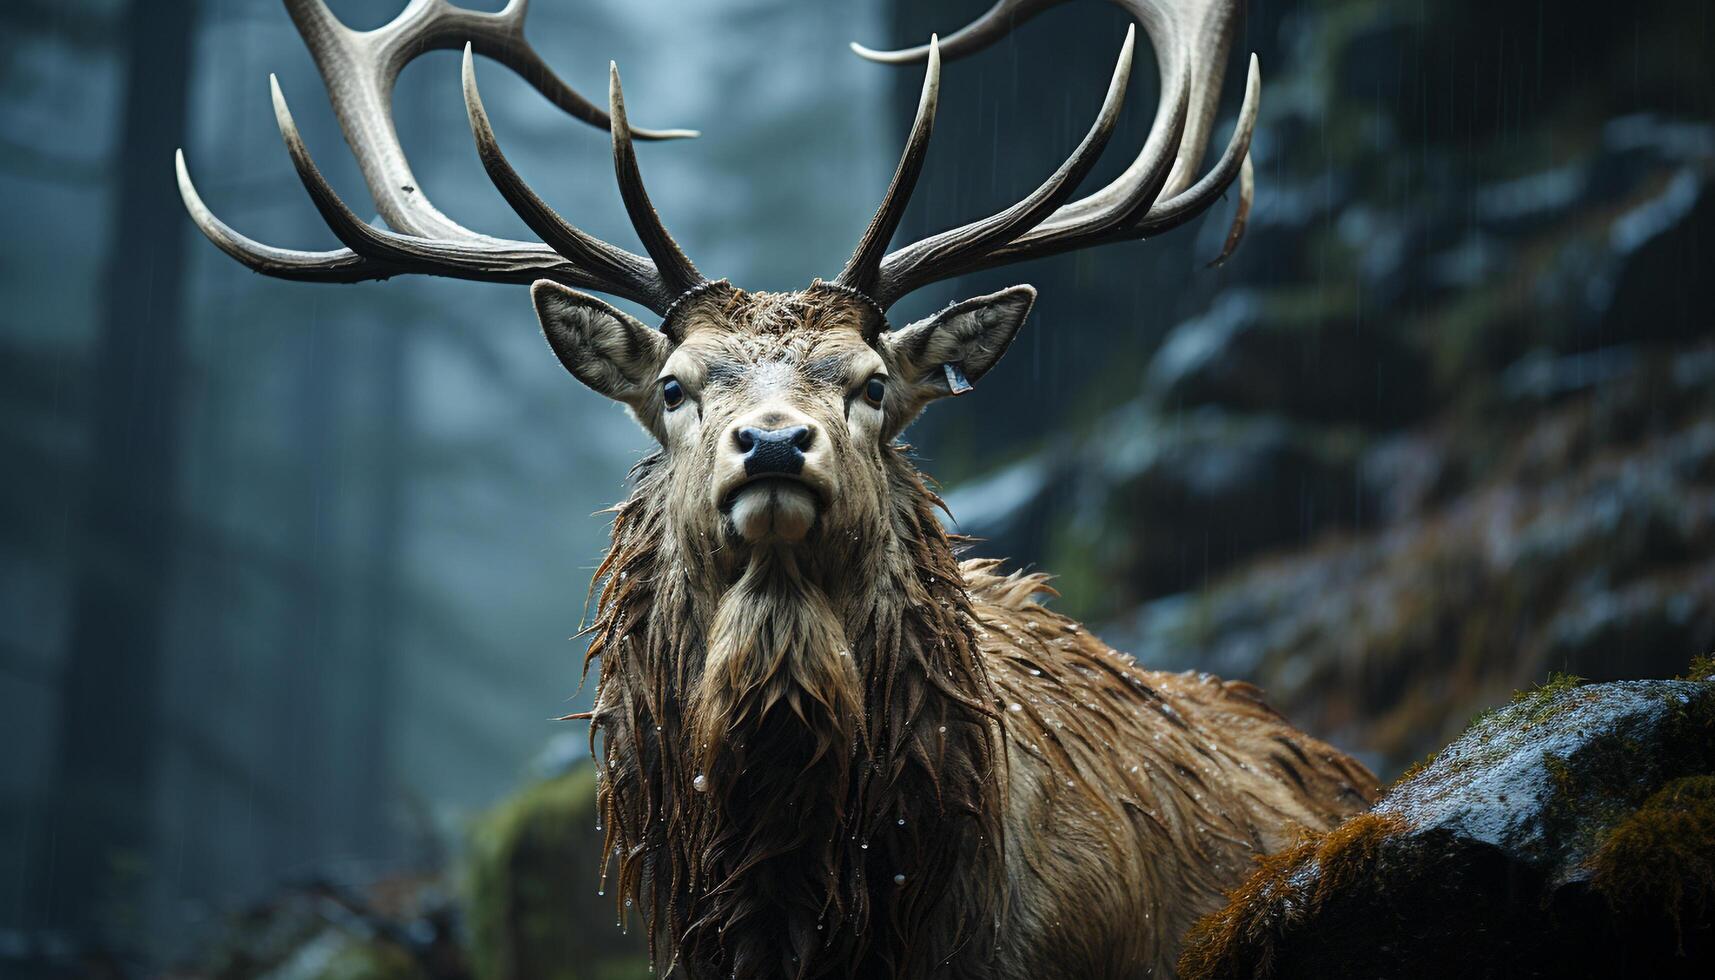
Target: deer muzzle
774,487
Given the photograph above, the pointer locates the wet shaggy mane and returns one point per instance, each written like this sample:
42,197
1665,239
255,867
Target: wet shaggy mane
741,817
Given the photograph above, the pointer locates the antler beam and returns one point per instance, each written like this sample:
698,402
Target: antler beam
1158,191
360,69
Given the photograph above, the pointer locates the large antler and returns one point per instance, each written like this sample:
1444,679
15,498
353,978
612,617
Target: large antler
1159,191
359,69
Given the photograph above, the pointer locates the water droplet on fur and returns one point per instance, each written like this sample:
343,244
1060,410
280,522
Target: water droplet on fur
1015,706
899,879
700,783
901,821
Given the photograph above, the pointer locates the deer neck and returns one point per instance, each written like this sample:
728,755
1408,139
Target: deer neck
808,735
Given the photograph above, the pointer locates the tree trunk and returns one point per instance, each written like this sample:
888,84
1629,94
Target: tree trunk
380,574
109,729
307,722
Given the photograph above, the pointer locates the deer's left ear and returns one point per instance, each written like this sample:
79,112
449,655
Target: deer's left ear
948,353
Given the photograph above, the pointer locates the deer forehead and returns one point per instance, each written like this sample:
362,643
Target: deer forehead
773,342
820,308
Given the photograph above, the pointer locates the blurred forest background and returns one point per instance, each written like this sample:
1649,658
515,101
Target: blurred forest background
288,572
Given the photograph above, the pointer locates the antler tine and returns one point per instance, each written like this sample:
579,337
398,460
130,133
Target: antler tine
636,274
510,49
1163,216
506,262
338,265
1241,214
674,268
863,269
1196,199
361,238
993,25
1191,39
914,265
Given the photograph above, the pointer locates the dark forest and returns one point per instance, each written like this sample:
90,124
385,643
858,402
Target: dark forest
293,578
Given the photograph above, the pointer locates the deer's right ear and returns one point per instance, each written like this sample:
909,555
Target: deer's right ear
612,353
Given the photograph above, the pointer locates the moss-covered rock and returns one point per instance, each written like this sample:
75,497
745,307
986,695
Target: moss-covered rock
1663,855
397,927
1570,833
532,901
527,908
352,959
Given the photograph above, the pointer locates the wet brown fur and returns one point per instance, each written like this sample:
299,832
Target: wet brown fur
860,758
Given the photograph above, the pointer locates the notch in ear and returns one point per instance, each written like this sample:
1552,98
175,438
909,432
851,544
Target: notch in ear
949,352
612,353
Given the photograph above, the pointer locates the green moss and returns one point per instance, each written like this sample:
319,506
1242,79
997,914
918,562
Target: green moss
530,890
1240,940
369,961
1663,855
1533,706
1539,704
1411,772
1702,669
1544,702
1523,711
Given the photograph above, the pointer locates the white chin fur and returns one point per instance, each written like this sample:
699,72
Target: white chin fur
773,510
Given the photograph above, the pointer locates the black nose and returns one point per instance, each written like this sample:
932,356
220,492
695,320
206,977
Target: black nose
773,450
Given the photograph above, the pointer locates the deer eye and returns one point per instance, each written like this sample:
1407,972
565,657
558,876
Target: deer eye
672,393
875,390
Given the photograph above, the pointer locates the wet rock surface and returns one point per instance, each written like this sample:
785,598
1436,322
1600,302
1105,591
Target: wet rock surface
1569,834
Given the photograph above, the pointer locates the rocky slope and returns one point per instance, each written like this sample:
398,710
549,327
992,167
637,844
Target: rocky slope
1449,426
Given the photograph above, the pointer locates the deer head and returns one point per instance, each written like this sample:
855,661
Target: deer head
774,409
789,565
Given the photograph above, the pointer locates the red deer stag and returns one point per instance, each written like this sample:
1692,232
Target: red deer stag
828,747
